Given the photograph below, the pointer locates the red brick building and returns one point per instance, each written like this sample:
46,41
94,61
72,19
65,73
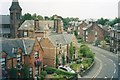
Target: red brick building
16,53
93,32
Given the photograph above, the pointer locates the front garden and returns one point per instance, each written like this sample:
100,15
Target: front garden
85,59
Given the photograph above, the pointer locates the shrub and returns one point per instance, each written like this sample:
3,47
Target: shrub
59,72
13,73
78,61
44,73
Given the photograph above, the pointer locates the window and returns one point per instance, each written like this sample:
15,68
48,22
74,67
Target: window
60,45
96,33
30,72
17,16
78,33
3,62
36,71
25,34
14,50
36,55
11,16
86,32
19,58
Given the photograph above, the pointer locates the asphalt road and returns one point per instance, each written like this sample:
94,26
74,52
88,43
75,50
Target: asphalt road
106,65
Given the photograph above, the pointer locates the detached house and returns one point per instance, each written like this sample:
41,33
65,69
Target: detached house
18,53
93,32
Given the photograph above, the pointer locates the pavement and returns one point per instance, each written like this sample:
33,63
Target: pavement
106,64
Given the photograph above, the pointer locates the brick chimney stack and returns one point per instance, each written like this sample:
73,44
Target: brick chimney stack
57,24
36,24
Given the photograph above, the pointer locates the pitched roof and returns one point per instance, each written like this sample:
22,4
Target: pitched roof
15,5
43,25
4,19
61,38
8,44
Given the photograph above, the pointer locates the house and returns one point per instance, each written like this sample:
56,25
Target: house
18,53
5,26
115,39
56,45
93,32
80,29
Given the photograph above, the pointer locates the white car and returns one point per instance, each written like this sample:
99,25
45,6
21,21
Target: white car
66,68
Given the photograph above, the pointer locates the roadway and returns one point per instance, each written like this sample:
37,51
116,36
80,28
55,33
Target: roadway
106,65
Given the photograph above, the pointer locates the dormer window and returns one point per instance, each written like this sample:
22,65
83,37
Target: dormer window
14,50
19,58
36,55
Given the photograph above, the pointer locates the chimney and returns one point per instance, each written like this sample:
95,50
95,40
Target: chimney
36,25
46,18
59,26
55,22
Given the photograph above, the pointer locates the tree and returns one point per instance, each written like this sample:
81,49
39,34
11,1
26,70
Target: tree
63,59
71,51
57,61
102,21
13,73
75,33
26,16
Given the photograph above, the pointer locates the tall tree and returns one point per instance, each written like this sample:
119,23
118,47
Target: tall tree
71,51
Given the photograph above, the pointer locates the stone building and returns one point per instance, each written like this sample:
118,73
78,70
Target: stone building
11,23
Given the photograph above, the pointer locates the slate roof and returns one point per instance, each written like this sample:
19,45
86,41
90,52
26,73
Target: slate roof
9,44
15,5
61,38
4,19
43,25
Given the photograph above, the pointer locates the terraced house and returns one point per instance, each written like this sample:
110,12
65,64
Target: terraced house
94,32
19,53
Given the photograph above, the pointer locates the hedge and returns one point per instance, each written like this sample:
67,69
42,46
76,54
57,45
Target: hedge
51,70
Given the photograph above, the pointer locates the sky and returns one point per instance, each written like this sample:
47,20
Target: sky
83,9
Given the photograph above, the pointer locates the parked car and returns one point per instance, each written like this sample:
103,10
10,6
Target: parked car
66,68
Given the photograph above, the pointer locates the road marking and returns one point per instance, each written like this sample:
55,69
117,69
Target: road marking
111,60
111,78
114,70
119,64
100,68
114,64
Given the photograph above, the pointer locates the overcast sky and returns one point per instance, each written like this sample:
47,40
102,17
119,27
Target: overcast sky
83,9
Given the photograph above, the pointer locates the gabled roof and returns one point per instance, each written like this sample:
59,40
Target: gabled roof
8,44
61,38
4,19
43,25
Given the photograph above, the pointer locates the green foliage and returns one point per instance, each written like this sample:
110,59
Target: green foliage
102,21
75,33
103,44
71,51
59,72
44,73
28,16
13,73
63,59
25,72
75,66
86,52
57,61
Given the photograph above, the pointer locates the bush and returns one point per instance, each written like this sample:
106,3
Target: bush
59,72
78,61
13,73
44,73
41,77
